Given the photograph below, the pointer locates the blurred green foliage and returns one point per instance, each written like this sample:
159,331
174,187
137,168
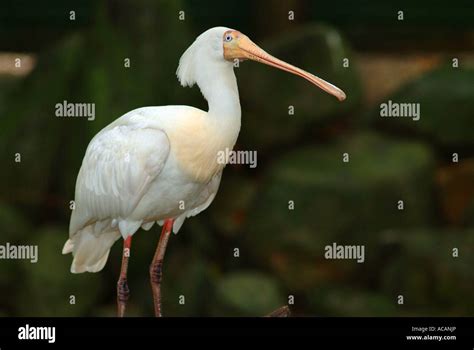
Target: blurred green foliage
300,163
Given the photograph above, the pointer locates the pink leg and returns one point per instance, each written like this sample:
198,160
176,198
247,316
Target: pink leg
156,267
123,292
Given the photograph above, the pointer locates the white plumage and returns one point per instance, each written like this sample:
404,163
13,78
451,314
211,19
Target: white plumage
129,179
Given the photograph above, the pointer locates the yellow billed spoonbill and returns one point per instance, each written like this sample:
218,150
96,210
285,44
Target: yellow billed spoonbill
159,164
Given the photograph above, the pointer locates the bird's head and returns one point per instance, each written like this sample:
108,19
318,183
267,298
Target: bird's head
222,46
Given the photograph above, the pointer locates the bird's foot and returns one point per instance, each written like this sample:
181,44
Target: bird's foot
156,272
123,294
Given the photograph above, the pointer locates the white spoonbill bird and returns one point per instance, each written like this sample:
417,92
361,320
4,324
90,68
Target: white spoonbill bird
160,164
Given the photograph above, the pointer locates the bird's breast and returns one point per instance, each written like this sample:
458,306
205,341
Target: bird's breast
198,146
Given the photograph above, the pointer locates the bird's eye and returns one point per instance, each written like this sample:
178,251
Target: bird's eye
228,38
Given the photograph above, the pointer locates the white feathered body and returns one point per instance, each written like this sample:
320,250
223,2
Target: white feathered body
156,163
151,164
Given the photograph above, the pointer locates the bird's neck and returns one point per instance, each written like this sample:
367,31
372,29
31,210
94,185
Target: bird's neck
222,94
203,139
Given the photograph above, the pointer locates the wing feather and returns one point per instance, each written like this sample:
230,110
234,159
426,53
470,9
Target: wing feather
119,165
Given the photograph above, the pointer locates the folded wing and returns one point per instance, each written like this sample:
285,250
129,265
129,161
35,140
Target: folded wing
117,170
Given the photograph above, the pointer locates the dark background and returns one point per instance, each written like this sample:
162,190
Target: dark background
408,252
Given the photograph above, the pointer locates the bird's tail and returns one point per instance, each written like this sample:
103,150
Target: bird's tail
90,250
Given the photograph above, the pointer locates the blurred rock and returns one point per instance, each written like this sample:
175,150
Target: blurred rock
46,286
347,301
229,209
469,215
14,229
7,84
426,273
337,202
446,98
247,294
456,190
188,283
267,93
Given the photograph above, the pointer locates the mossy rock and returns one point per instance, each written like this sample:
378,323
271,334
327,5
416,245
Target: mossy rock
247,294
446,98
